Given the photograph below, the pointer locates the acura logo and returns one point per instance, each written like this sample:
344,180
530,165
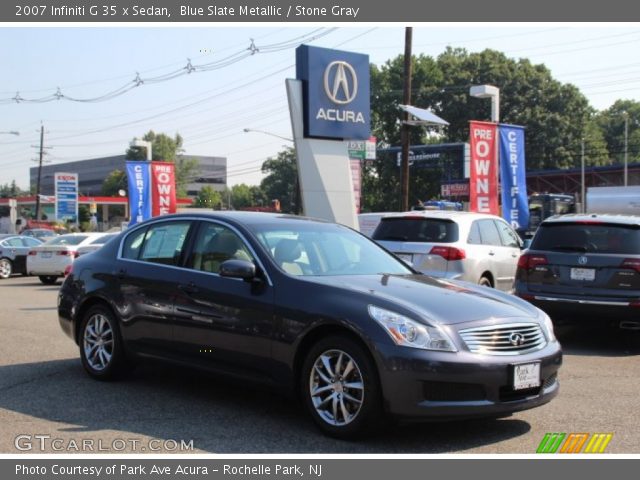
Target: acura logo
344,87
516,339
582,260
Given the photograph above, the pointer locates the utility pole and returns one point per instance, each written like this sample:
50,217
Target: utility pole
582,193
404,132
39,173
626,148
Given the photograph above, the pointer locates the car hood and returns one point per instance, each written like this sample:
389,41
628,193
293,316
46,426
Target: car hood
444,301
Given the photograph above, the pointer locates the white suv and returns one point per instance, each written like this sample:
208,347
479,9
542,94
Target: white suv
474,247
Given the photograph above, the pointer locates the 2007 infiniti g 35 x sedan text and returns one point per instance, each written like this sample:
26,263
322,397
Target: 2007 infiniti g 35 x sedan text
312,307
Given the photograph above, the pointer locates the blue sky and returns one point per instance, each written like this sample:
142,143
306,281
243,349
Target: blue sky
211,109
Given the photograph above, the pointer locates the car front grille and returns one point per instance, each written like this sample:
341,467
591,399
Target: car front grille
506,339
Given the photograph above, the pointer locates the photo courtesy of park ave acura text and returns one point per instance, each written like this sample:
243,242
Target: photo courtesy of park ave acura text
315,239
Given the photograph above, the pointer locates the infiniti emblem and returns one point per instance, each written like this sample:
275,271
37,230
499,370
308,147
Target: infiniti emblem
582,260
345,82
516,339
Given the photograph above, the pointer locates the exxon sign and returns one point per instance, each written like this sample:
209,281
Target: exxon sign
335,86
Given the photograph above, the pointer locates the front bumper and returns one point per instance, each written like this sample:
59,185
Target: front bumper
420,384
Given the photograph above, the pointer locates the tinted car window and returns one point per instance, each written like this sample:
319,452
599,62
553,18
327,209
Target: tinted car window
508,236
588,237
132,244
13,242
163,242
214,245
489,233
67,240
417,229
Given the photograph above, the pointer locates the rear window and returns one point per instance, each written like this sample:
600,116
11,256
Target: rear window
416,229
67,240
588,237
102,240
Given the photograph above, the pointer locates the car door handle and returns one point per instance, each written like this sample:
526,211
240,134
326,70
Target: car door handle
121,273
492,253
188,288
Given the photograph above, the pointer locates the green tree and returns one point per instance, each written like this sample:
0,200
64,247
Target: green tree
241,196
612,123
208,197
11,190
281,181
115,181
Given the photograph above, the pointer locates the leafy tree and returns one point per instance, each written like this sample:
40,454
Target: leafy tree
11,190
208,197
612,121
241,196
115,181
281,181
187,171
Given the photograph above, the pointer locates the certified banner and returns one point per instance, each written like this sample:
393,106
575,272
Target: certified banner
483,188
66,194
139,191
163,188
515,206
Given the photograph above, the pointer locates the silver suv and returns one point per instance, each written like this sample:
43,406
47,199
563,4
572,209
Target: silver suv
474,247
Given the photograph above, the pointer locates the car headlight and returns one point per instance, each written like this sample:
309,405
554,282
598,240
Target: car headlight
409,333
548,327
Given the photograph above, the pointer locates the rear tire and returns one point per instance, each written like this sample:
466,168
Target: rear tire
485,282
6,268
48,279
340,388
101,349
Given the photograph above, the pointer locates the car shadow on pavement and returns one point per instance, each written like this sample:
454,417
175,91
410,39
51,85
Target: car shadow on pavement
598,341
219,416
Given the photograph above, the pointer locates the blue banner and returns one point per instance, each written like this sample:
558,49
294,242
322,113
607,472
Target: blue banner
515,205
66,192
139,178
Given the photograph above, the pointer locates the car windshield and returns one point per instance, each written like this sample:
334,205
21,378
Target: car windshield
588,237
416,229
67,240
325,249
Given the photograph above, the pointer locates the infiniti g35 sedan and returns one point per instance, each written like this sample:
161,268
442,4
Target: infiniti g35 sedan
311,308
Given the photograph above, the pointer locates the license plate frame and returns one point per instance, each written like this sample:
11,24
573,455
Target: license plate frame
583,274
525,375
46,254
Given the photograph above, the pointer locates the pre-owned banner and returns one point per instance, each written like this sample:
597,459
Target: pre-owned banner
515,206
139,191
163,187
483,182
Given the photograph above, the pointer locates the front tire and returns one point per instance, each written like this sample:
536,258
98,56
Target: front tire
6,268
340,388
101,349
485,282
48,279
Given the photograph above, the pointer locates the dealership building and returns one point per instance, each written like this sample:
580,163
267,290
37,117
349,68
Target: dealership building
210,171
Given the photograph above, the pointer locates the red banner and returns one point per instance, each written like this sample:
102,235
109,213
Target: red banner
163,188
483,183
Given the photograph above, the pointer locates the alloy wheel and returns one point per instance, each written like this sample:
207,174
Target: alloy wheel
98,342
5,268
336,387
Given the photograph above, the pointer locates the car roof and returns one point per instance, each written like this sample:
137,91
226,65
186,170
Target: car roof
443,214
241,217
594,217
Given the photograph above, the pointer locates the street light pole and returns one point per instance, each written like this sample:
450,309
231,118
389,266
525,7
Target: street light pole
626,148
142,144
12,132
488,91
248,130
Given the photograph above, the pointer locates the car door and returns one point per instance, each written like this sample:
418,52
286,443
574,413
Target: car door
510,253
498,258
145,279
223,323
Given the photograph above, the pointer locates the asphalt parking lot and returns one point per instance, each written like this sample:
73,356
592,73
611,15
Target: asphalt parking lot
48,404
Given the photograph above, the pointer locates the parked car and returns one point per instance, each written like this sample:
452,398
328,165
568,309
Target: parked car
95,244
311,307
14,250
474,247
42,233
49,260
584,268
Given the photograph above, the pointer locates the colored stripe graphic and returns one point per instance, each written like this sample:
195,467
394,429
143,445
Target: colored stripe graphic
550,442
598,443
574,442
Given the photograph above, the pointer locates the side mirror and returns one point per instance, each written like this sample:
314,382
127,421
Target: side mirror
238,269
